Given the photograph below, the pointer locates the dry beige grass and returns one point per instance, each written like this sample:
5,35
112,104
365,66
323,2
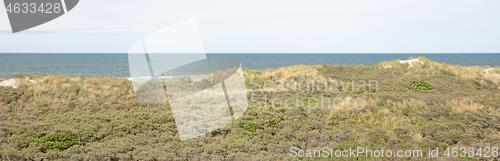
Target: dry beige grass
406,103
424,67
288,77
428,67
52,89
345,107
417,138
285,73
463,104
467,72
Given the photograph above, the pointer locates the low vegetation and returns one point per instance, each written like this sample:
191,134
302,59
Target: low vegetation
420,84
59,140
97,118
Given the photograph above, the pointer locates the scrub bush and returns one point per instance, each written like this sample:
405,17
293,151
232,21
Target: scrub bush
102,119
59,140
420,84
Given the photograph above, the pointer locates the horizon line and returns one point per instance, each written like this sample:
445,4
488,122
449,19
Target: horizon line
276,53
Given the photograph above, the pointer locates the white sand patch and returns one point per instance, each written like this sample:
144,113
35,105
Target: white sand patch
388,66
14,82
411,61
199,78
9,83
492,71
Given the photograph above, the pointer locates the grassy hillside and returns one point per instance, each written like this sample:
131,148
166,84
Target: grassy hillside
388,105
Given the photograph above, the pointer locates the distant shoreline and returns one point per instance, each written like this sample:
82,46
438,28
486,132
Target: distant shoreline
116,65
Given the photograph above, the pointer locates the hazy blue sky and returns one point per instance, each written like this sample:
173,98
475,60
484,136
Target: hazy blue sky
256,26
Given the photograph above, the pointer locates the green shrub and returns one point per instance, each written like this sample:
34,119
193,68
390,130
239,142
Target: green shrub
252,127
309,99
44,110
421,84
59,140
360,91
39,135
271,123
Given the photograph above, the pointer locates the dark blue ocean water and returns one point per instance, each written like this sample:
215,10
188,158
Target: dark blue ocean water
116,65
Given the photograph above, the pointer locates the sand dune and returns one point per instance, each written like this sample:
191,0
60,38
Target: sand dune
14,82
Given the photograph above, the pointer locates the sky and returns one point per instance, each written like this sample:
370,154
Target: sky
271,26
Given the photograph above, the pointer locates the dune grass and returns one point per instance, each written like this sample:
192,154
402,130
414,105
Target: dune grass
99,118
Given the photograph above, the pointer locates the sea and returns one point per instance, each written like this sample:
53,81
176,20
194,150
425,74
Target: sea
117,65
